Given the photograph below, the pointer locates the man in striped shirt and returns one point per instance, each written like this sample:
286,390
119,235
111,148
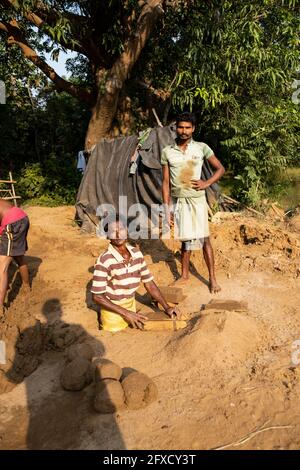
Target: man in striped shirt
117,275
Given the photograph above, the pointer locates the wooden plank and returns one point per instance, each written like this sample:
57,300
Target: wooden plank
159,321
8,182
11,197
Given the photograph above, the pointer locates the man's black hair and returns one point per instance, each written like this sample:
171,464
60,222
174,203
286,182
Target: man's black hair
186,117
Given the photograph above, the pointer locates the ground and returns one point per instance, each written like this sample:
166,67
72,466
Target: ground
228,379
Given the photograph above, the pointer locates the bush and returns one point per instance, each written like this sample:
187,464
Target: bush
52,184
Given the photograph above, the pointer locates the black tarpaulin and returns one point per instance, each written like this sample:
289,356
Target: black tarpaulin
107,176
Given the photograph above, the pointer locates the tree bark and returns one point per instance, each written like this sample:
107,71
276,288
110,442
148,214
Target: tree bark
104,111
103,104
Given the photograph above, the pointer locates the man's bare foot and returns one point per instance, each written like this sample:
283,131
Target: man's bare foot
214,286
179,282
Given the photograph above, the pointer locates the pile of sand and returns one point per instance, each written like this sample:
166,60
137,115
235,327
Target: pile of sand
216,341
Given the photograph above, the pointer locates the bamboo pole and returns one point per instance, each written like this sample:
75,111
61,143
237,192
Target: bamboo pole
230,199
13,189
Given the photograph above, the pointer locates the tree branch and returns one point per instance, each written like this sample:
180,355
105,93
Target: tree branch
42,17
15,36
121,69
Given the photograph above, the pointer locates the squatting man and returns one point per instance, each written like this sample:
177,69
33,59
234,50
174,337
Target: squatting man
118,273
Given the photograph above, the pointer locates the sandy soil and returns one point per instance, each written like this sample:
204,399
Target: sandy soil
227,379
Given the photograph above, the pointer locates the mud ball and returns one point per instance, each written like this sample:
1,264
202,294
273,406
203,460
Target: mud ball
80,350
139,390
105,369
76,374
109,396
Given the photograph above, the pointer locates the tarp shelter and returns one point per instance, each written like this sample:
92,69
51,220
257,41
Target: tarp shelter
128,166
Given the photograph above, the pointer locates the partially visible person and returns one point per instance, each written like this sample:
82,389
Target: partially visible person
14,226
118,273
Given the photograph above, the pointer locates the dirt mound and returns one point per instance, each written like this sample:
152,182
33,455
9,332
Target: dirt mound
219,379
294,222
217,341
256,245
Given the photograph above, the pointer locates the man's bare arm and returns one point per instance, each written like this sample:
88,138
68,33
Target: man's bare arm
166,184
155,293
220,170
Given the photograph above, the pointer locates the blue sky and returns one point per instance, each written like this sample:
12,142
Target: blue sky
59,66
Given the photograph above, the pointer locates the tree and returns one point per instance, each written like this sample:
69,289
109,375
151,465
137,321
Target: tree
110,35
231,61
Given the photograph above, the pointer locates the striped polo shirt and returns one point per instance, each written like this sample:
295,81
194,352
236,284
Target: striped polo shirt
117,279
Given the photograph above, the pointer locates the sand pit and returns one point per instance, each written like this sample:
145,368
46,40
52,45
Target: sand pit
220,378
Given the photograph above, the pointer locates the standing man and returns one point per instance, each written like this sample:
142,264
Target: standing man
182,165
14,225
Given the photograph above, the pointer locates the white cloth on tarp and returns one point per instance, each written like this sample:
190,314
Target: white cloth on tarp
81,163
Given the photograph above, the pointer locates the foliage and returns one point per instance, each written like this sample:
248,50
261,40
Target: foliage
233,62
48,184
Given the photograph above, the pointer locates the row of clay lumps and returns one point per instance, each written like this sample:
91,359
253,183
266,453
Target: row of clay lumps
113,390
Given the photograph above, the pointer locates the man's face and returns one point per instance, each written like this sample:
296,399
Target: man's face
184,130
117,233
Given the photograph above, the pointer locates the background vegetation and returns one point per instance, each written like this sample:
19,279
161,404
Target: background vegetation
232,62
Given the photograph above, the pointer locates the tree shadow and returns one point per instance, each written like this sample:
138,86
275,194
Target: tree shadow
14,278
57,419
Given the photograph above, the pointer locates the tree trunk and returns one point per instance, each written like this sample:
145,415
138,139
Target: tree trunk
102,117
104,111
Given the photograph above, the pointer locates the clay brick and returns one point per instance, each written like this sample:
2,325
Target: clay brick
172,294
229,305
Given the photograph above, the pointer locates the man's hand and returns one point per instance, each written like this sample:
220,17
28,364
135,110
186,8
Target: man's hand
173,312
136,320
199,184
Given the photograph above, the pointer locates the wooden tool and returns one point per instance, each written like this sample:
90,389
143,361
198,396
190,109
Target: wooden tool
159,321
